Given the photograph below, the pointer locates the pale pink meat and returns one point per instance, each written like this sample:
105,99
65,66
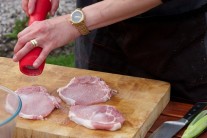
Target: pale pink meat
85,90
36,102
104,117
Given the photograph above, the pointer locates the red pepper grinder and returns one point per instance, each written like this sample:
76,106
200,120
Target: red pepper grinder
26,63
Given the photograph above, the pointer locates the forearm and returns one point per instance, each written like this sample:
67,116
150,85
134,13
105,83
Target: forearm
111,11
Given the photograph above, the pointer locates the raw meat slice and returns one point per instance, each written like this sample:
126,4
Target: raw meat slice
104,117
85,90
36,102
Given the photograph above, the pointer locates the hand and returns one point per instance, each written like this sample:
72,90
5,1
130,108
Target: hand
29,5
49,34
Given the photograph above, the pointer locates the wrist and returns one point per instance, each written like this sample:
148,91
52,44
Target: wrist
71,29
64,30
77,19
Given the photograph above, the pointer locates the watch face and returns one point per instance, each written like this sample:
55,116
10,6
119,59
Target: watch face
77,16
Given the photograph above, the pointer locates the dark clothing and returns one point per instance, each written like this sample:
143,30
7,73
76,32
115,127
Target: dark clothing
171,7
169,47
174,7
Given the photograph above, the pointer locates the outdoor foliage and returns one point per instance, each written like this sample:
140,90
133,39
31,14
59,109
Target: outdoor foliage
62,60
18,27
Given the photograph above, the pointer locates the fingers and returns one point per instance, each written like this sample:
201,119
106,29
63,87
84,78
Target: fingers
31,6
23,32
23,51
34,31
25,36
25,6
19,45
55,5
22,40
43,55
28,6
27,48
49,34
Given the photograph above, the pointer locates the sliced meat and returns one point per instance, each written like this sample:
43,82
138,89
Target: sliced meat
97,117
36,102
85,90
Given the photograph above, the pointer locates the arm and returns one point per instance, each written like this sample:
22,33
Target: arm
111,11
58,31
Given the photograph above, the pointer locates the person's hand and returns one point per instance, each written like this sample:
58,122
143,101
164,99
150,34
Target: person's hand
49,34
29,5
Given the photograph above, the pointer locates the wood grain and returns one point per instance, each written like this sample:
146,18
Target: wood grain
139,100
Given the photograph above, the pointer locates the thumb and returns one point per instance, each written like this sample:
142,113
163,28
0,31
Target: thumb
55,5
31,6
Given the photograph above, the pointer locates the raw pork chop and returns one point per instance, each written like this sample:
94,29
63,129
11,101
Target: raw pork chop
36,102
85,90
97,117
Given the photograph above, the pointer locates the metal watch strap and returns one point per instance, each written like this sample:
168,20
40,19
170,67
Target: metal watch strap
79,24
82,28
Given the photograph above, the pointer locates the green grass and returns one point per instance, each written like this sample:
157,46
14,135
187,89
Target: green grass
18,27
62,60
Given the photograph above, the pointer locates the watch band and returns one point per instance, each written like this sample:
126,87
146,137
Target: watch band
82,28
80,25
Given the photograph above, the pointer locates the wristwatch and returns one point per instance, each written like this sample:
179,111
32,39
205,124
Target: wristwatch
77,19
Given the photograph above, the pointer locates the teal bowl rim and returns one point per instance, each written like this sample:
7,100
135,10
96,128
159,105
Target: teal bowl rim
18,109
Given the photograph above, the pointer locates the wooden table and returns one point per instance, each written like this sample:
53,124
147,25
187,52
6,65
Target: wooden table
140,100
173,111
53,78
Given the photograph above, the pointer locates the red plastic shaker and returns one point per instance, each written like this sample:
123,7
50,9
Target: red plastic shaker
26,63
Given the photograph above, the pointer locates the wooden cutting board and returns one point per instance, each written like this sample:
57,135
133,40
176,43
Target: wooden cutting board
139,100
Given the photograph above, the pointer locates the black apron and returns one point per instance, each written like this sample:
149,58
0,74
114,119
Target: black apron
167,43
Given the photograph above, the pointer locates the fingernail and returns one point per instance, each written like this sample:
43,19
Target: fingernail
35,64
30,11
14,58
52,13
